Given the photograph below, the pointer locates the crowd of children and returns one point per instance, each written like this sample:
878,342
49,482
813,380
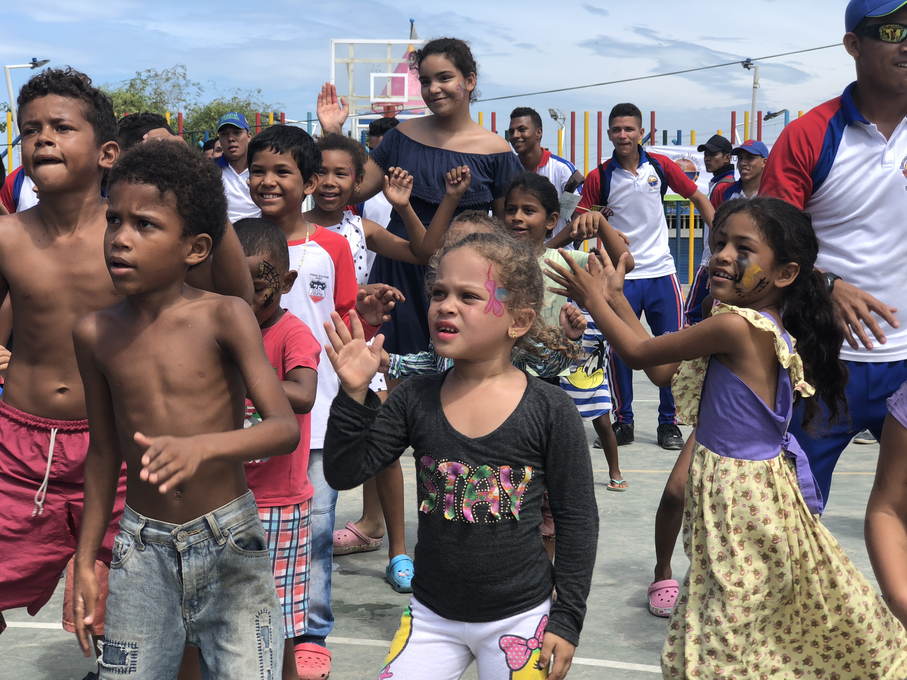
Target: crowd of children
204,363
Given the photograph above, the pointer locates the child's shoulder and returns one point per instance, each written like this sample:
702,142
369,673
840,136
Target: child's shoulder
552,397
291,325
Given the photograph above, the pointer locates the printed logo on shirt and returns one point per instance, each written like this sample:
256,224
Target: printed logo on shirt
486,494
653,182
317,287
903,166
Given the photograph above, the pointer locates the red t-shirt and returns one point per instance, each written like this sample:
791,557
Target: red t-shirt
283,480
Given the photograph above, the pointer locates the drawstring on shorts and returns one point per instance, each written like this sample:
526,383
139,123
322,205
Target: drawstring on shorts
42,490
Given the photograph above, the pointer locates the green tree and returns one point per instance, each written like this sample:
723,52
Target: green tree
156,91
4,109
204,116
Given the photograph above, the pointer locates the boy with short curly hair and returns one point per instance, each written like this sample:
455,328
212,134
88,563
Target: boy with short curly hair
166,371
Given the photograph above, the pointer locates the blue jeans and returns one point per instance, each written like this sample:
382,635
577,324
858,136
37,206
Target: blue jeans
662,301
324,503
207,583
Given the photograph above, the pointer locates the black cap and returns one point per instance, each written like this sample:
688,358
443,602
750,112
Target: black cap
716,144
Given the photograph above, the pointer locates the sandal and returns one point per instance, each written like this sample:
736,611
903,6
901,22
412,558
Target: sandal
351,540
662,597
399,574
313,662
618,485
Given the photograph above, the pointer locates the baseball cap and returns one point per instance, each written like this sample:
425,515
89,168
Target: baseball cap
754,147
717,144
857,10
234,119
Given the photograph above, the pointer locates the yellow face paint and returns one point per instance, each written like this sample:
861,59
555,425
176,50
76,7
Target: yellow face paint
749,275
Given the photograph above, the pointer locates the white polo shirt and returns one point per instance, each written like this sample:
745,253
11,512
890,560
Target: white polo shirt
236,187
558,171
840,168
638,211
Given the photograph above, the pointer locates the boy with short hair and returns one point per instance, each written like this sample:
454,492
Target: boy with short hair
281,485
283,162
234,135
166,371
131,130
629,188
68,131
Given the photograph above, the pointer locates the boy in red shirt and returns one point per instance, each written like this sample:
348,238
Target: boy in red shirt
281,485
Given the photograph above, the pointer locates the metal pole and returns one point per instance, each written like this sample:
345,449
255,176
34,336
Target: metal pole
786,118
752,131
652,131
9,141
573,137
481,119
257,123
759,126
586,143
733,128
12,104
692,224
746,126
494,122
560,142
598,154
692,141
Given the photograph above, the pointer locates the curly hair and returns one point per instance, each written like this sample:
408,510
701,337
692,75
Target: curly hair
807,312
526,112
131,129
455,50
518,271
348,145
96,106
194,181
260,236
289,140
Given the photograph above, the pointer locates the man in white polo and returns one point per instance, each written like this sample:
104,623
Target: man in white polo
845,163
233,133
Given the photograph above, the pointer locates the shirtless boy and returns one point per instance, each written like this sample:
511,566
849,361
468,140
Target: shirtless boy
52,266
166,372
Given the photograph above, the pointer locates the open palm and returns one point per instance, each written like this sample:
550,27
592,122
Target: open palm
354,361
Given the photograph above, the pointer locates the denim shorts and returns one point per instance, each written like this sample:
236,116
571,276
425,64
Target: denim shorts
207,583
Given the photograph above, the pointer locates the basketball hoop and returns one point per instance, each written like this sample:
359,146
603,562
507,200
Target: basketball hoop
387,109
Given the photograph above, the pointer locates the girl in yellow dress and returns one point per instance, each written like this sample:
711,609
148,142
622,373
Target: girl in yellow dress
770,593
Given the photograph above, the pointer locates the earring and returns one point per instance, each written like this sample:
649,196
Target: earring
513,333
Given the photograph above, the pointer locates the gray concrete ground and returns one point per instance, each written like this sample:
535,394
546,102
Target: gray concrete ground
620,640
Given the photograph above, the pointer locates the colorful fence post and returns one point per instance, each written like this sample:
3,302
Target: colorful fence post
733,128
693,138
308,122
759,126
167,116
692,241
9,141
800,114
573,137
664,137
786,118
585,142
652,131
598,155
283,118
481,119
207,135
257,123
494,122
746,126
179,123
560,142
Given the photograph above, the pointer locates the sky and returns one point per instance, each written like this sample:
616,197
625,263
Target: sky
283,49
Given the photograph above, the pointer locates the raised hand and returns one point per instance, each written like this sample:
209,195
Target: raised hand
374,302
398,187
355,362
585,226
572,321
457,180
600,267
167,461
332,111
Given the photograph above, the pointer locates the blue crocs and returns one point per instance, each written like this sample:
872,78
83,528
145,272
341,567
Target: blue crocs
399,574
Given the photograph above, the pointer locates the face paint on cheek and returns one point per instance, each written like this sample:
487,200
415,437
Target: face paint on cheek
497,296
461,89
749,274
268,273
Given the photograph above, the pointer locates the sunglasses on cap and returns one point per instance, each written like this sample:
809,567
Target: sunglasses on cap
889,33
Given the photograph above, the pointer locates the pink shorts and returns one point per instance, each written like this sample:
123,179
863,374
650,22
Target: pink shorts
101,572
41,508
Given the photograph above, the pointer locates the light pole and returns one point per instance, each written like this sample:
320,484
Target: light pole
749,64
33,64
558,116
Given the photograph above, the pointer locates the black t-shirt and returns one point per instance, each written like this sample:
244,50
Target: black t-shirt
479,555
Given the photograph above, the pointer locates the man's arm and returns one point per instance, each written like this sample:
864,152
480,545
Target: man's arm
886,519
226,271
102,472
704,207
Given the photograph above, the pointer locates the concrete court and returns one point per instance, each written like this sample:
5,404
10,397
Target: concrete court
621,639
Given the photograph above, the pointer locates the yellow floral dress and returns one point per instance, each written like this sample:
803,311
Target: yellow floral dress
770,593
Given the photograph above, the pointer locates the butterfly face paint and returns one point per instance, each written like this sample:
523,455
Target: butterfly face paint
497,296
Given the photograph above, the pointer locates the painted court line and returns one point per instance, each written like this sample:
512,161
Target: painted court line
32,624
579,661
